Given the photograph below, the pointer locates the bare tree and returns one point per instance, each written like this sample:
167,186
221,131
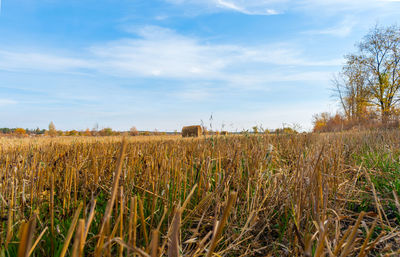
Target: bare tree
380,53
133,131
371,78
352,89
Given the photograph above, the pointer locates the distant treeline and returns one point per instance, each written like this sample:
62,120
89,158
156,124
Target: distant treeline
36,131
53,132
21,132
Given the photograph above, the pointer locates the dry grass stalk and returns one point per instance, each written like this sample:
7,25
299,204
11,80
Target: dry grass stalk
136,250
89,222
321,242
363,251
377,201
52,212
71,230
143,221
350,239
10,216
132,223
174,235
77,247
121,213
185,203
110,203
37,241
221,224
28,230
154,243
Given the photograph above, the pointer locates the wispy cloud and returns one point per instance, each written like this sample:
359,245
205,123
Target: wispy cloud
4,102
271,7
342,29
26,60
258,10
162,53
161,17
193,94
249,7
158,52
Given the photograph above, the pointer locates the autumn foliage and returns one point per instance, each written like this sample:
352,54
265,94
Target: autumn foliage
368,87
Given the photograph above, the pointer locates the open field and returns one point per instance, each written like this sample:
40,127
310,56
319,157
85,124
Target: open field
247,195
23,141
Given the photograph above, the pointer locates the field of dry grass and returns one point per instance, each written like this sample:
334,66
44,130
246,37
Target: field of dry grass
13,141
247,195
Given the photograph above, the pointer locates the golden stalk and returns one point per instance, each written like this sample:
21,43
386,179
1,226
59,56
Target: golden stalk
221,224
71,230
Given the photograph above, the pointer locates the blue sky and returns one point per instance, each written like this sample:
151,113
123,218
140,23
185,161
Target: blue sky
168,63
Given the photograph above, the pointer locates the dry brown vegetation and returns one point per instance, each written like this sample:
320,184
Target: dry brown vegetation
245,195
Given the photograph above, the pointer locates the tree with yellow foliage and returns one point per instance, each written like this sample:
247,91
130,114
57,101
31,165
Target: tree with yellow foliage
52,130
20,131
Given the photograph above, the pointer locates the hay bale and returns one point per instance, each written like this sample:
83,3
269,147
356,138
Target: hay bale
191,131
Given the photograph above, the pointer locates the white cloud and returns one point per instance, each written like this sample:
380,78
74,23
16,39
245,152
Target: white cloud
12,60
4,102
243,8
162,53
249,7
342,29
161,17
270,7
